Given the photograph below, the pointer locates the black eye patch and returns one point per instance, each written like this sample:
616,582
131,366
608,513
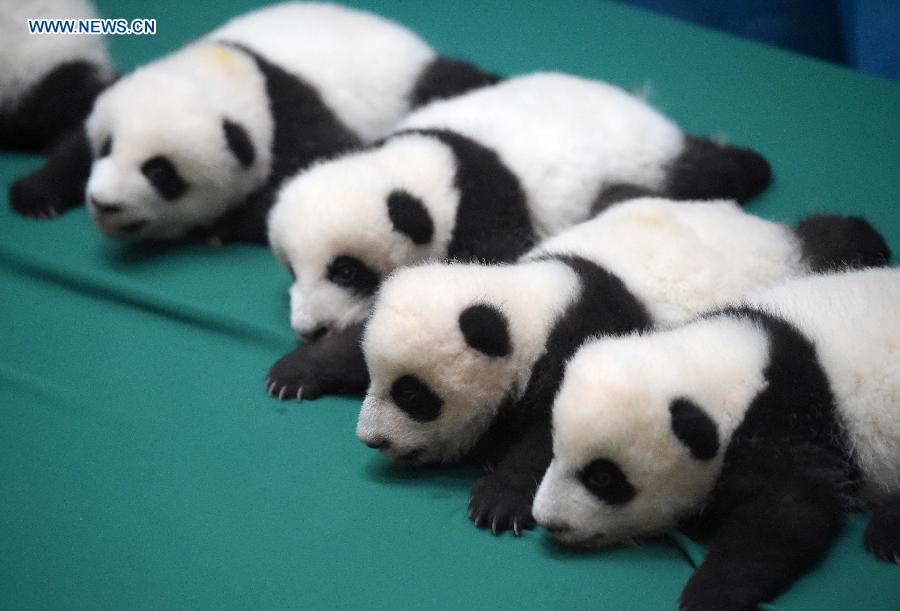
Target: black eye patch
415,398
604,479
164,177
105,148
353,274
485,329
694,429
239,142
410,217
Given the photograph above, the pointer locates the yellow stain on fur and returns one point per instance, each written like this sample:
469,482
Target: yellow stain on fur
224,58
652,221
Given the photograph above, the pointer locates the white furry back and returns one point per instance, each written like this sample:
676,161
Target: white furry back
363,65
854,320
564,137
682,258
28,58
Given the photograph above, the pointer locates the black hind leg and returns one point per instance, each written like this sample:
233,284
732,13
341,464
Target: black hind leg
709,170
445,78
832,242
882,536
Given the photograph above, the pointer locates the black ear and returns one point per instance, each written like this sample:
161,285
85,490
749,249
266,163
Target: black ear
410,217
239,142
694,429
485,329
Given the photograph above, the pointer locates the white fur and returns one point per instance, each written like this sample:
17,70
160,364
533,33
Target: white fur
614,400
679,258
564,137
28,58
420,336
362,65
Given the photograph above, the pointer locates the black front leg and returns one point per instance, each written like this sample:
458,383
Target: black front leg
333,364
764,543
882,536
60,183
502,500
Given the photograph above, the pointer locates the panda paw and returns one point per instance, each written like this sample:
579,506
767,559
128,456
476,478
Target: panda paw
333,364
500,503
882,536
31,198
294,377
708,590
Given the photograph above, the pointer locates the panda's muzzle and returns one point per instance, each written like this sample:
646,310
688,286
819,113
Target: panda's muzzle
556,528
379,443
105,207
313,335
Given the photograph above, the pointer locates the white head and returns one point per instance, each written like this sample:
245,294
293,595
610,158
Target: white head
640,428
446,346
343,225
178,142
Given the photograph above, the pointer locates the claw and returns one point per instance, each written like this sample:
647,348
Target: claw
300,394
494,526
271,388
281,393
516,529
478,520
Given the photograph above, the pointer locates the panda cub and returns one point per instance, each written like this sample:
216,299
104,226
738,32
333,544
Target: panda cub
483,177
760,425
49,81
195,143
465,360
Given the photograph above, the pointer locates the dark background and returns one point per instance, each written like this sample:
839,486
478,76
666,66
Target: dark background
862,34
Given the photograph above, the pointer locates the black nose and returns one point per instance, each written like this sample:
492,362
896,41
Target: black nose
556,527
378,443
315,334
105,207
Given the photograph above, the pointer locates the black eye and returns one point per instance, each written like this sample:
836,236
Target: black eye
105,148
416,399
164,177
353,274
344,272
605,480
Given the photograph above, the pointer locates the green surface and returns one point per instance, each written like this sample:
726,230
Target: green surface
144,466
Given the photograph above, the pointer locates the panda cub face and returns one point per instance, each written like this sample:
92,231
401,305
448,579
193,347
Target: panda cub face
167,157
343,225
440,364
640,428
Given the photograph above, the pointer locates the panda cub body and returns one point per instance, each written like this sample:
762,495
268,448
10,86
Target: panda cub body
49,81
758,426
483,347
196,142
480,177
